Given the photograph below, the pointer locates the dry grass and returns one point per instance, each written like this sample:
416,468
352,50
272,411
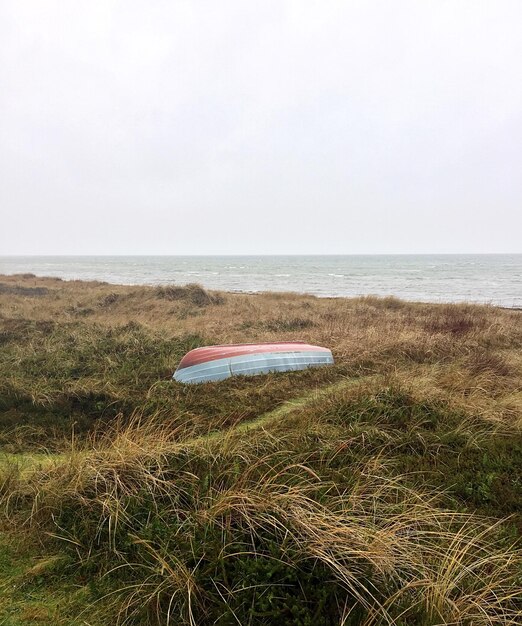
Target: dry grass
373,492
391,554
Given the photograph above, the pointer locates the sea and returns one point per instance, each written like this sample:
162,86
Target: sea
484,278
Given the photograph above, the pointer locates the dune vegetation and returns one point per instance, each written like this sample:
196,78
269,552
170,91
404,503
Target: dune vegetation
384,490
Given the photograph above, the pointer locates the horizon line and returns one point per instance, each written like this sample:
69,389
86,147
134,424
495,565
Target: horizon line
264,254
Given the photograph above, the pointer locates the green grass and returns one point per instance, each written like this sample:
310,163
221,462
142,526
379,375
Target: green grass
210,512
33,589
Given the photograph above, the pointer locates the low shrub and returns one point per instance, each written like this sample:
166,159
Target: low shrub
193,293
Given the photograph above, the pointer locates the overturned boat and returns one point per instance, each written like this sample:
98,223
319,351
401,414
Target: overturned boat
213,363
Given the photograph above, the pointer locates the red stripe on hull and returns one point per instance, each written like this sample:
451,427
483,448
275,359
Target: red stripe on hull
212,353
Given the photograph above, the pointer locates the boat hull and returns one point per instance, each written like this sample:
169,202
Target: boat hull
220,362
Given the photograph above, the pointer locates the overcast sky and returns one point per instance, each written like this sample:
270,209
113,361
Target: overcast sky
222,127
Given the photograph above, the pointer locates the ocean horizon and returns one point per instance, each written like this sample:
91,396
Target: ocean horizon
480,278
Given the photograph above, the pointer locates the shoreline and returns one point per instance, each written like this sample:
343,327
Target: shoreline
69,280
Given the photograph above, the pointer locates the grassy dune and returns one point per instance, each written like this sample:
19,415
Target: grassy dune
386,489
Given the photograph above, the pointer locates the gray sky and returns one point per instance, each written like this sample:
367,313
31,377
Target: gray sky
195,127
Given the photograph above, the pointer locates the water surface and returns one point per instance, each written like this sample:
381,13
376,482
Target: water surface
495,279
